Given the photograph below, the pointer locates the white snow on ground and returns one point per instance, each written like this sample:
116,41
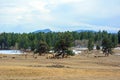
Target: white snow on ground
10,52
117,54
117,48
78,50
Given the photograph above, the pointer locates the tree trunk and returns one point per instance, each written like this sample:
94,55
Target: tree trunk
40,54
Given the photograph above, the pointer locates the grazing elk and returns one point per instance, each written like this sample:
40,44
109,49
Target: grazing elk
26,56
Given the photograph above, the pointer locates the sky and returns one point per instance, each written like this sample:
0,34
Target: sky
59,15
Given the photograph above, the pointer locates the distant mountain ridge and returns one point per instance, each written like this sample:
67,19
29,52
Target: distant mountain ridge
44,31
48,30
84,31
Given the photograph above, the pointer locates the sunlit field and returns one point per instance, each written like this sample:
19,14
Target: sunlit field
79,67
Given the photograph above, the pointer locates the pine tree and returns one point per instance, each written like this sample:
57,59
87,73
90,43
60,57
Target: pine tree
42,48
107,46
90,44
63,43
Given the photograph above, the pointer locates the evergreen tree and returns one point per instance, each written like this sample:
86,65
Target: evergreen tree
63,44
42,48
114,39
107,46
90,44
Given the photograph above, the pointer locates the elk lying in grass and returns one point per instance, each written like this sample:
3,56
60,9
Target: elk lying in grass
50,56
54,56
13,57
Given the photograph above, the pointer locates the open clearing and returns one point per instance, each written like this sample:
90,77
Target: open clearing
75,68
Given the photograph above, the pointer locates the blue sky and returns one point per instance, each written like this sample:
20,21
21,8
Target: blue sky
59,15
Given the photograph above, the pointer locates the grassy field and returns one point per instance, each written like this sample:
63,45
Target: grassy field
74,68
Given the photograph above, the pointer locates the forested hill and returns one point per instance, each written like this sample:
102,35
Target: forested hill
45,31
31,40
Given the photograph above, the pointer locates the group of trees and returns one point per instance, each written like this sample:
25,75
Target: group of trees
59,41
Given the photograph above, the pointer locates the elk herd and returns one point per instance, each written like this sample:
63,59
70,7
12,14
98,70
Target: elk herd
28,54
31,55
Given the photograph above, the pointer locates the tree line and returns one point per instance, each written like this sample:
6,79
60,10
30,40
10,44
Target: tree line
56,40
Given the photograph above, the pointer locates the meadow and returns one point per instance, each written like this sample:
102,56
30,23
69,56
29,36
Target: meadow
78,67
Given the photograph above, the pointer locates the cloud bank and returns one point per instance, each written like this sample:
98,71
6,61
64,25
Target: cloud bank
59,15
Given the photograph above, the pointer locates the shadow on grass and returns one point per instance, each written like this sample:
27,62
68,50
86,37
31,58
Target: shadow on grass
58,66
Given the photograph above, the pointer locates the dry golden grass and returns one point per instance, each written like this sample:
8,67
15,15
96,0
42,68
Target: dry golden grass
74,68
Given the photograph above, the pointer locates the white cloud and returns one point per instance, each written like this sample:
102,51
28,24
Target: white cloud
88,13
13,10
96,8
64,1
40,6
